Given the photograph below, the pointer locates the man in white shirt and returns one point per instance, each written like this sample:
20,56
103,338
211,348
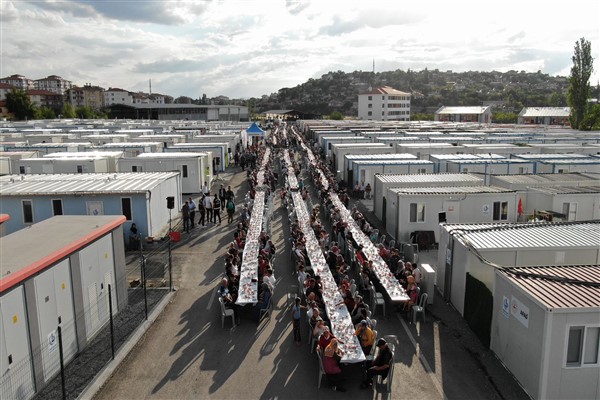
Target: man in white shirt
192,207
417,274
209,208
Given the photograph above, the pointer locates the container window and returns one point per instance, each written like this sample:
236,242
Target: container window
592,344
417,212
574,346
27,211
126,207
57,207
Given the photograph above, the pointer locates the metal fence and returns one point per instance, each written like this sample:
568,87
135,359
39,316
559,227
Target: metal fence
66,372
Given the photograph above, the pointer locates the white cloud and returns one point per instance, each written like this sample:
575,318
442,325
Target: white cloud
251,48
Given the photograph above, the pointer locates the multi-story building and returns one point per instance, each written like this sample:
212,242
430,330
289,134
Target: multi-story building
140,98
156,98
53,83
5,88
46,98
18,81
86,96
117,96
384,104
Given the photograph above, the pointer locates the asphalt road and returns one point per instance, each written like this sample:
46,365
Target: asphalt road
186,354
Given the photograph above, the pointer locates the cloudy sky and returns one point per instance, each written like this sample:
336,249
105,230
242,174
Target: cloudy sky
248,48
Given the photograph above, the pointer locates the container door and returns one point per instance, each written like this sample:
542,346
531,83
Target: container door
92,317
16,376
65,308
45,300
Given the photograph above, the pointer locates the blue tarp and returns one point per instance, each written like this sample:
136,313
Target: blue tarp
254,129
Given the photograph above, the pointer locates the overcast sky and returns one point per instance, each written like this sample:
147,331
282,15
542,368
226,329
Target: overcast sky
248,48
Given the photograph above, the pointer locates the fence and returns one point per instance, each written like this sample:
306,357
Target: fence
65,369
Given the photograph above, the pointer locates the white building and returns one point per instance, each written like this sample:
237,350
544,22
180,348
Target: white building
384,104
482,115
546,329
117,96
545,116
54,84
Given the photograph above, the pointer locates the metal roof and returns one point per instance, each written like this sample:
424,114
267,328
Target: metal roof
420,178
545,112
544,179
558,287
462,110
591,160
392,156
398,161
532,235
126,145
550,156
481,156
449,190
172,154
569,190
73,184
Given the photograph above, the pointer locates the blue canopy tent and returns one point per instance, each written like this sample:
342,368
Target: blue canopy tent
253,131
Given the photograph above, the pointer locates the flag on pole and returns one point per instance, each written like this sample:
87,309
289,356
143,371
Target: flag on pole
520,207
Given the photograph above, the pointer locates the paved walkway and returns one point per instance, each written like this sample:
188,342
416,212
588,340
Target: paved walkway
186,353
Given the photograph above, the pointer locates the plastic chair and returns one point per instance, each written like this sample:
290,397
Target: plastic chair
377,299
378,383
419,308
382,240
321,369
226,312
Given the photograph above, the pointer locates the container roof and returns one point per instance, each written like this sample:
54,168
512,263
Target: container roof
390,156
545,112
462,110
558,287
446,190
544,179
419,178
80,184
569,190
557,235
172,154
54,238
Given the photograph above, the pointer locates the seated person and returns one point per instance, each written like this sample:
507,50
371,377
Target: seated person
226,294
356,312
379,366
349,300
264,299
325,339
269,279
331,365
365,336
413,293
319,328
371,323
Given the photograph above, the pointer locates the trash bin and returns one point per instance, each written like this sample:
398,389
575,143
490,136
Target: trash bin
175,236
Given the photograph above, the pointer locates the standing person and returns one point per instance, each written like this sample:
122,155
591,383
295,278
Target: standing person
229,195
296,320
202,211
205,189
222,196
230,210
209,208
134,237
216,209
192,206
185,215
368,191
236,158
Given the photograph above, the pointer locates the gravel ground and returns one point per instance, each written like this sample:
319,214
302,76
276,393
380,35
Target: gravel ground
81,370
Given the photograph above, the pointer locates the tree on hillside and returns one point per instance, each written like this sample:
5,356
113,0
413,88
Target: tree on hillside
579,82
44,113
336,115
20,104
68,111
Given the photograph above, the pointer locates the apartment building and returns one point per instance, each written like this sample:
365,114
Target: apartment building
86,96
18,81
117,96
53,83
384,104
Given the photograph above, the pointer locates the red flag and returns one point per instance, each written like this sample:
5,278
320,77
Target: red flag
520,207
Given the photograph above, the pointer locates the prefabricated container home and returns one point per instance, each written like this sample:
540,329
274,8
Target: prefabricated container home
546,329
440,161
424,150
139,196
327,141
131,149
103,138
365,170
112,157
350,158
479,249
62,165
195,168
571,203
220,152
61,281
523,182
339,150
412,210
383,182
7,159
491,167
573,165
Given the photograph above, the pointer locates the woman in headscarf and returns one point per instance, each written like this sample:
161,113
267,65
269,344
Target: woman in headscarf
331,364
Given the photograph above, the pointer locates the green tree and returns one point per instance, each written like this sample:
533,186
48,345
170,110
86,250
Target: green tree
68,111
336,115
421,117
85,112
20,104
579,82
44,113
502,117
591,120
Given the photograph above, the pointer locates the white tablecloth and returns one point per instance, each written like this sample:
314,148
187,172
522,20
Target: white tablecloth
389,282
337,312
248,289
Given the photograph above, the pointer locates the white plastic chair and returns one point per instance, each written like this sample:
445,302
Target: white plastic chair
226,312
321,369
419,308
378,382
377,299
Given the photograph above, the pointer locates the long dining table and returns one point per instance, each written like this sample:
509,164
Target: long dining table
337,312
